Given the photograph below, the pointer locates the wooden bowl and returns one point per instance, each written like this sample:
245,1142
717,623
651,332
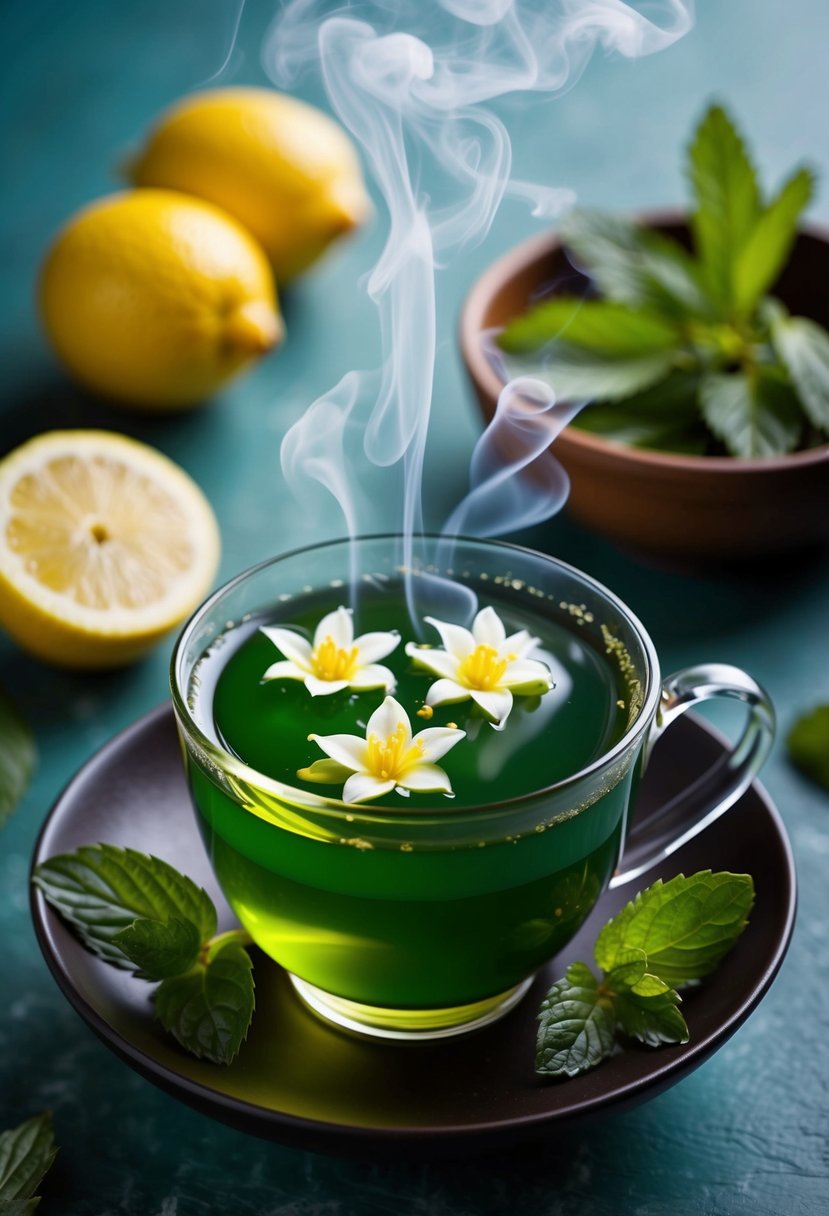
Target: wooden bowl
697,508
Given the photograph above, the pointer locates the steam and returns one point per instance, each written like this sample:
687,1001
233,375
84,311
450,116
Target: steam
515,481
414,103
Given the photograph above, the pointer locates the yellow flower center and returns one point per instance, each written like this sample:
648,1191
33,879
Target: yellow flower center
483,669
330,662
391,759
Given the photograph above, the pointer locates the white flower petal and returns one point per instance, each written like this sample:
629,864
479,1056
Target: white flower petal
496,705
428,778
292,644
323,688
338,626
436,742
361,787
386,719
373,675
457,640
349,750
374,646
488,628
446,692
520,644
284,670
438,661
527,676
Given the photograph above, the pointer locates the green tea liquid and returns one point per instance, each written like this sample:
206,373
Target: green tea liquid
406,923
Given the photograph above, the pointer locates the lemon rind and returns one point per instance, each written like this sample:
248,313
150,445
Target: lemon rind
116,623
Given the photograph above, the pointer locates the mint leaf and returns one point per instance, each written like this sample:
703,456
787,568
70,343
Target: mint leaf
763,253
629,969
101,889
17,757
606,326
727,200
573,372
753,415
652,1020
209,1008
26,1153
644,1005
575,1025
685,926
664,417
158,949
634,265
804,348
622,424
808,744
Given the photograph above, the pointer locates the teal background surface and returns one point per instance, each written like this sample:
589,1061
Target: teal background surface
746,1133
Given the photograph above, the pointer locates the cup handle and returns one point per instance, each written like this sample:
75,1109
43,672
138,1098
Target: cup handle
687,813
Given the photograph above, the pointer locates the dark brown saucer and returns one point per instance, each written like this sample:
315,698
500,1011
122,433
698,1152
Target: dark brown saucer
301,1081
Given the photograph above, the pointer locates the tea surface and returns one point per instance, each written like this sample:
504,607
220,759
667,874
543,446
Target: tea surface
411,922
545,739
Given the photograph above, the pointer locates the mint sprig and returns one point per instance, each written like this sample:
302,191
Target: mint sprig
137,912
17,757
670,936
758,379
26,1153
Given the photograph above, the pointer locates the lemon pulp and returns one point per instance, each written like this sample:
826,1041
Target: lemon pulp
105,545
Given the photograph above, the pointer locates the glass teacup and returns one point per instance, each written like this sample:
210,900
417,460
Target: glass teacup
425,918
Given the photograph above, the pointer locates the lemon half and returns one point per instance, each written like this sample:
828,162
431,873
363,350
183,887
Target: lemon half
281,167
105,545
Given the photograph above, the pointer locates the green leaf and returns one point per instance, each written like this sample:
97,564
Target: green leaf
621,427
664,417
19,1207
685,926
804,348
608,327
727,197
628,970
622,424
635,265
158,949
26,1153
754,415
808,744
645,1006
764,252
209,1009
652,1020
576,1025
17,757
573,372
101,889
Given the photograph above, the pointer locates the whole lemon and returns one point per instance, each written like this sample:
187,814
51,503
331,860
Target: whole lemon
282,168
157,299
